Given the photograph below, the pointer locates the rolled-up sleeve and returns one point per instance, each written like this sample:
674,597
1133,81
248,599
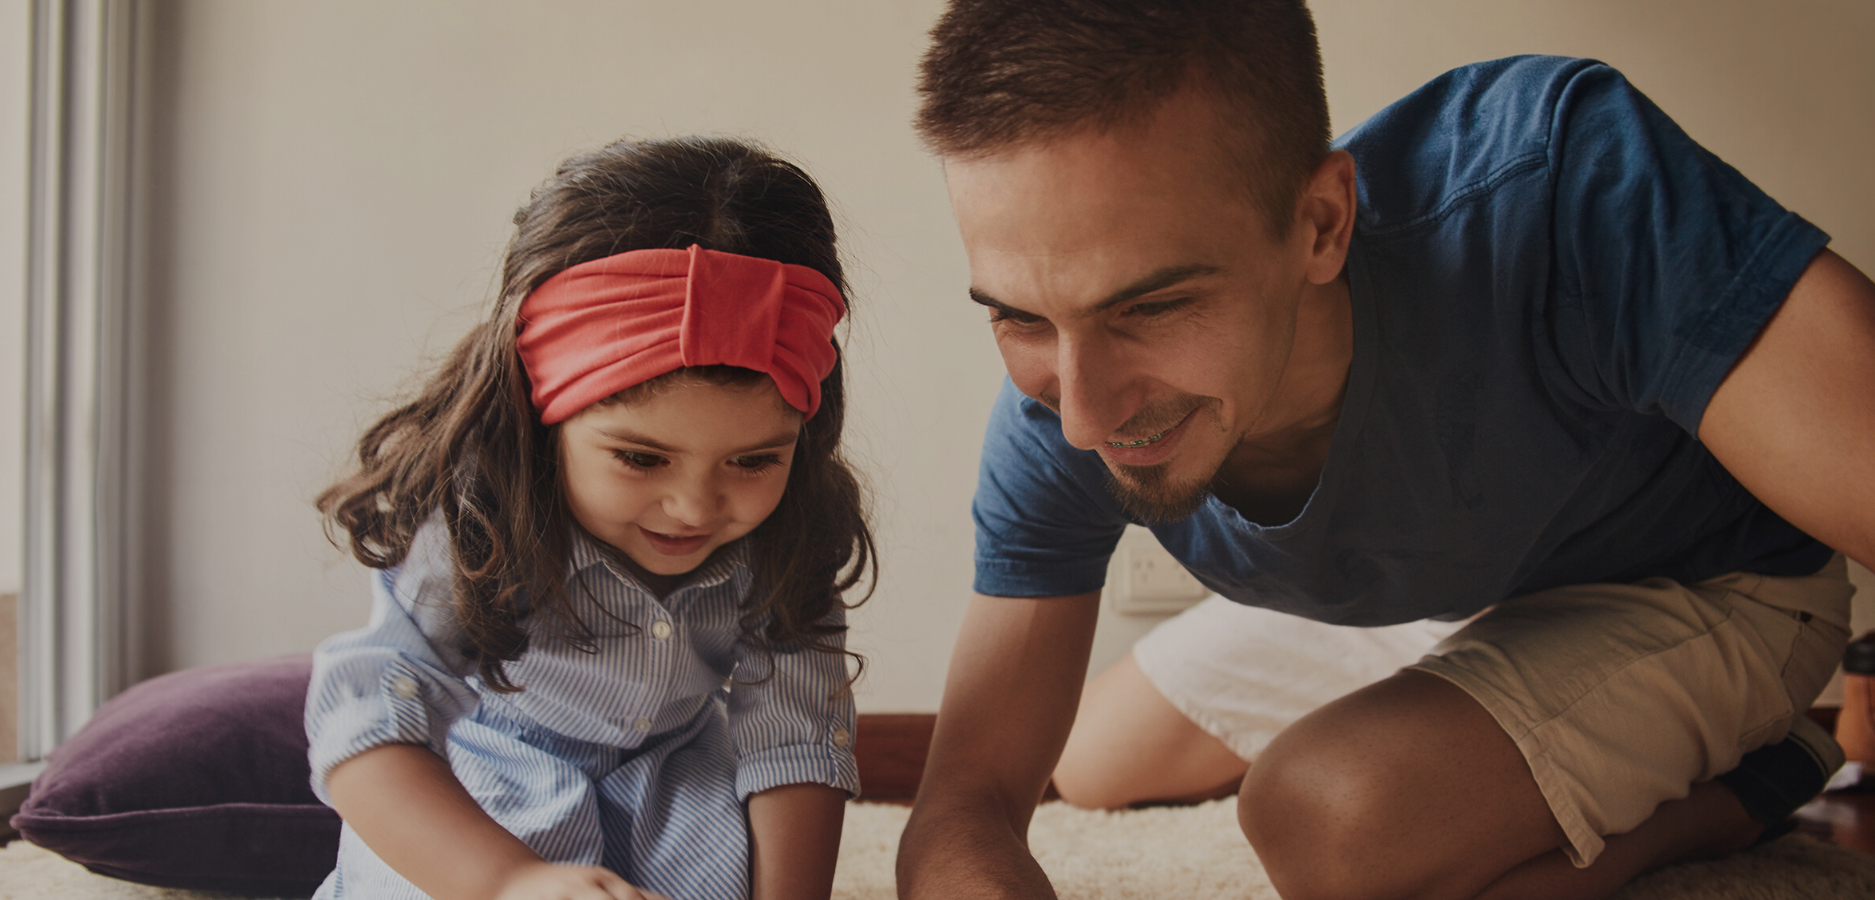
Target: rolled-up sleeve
398,680
795,727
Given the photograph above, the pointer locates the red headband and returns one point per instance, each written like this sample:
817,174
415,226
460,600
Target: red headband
605,325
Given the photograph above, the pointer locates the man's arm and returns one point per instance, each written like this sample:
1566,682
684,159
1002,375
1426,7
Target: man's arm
1794,421
1009,700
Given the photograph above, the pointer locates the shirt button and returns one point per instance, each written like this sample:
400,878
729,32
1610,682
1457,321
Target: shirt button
841,738
641,725
660,630
404,686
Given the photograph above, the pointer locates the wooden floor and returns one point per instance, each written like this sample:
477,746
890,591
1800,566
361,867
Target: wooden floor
892,753
1843,817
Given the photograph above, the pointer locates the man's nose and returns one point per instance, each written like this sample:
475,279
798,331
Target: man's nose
1091,379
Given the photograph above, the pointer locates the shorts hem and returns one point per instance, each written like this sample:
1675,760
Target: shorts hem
1583,844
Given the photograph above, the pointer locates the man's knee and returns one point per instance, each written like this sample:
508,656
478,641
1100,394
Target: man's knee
1310,816
1403,788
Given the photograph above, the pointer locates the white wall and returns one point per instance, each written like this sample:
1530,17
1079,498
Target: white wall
333,180
338,180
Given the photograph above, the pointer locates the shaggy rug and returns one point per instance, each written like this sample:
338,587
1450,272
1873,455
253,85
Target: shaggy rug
1193,853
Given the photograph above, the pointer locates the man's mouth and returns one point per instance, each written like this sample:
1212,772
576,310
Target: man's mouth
1121,445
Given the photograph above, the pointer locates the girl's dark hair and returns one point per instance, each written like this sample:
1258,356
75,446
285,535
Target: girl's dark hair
472,447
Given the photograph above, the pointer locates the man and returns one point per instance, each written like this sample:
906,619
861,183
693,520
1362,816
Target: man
1515,344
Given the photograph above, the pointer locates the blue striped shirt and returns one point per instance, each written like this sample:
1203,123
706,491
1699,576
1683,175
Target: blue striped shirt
651,668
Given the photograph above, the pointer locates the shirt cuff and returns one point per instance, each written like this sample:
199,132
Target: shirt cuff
398,706
829,762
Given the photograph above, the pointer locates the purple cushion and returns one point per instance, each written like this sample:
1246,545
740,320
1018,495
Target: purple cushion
196,779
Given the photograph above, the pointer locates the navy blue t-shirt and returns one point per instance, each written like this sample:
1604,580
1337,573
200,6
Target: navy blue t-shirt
1549,279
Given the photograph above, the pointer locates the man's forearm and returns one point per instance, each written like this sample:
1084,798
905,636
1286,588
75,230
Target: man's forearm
1009,700
957,847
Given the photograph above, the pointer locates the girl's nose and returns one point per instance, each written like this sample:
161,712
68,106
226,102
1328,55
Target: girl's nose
694,503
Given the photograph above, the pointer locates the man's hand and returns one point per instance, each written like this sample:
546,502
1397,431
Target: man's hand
548,881
1009,700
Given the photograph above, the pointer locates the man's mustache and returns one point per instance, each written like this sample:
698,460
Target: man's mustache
1148,420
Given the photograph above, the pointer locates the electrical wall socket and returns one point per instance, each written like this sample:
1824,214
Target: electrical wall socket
1144,579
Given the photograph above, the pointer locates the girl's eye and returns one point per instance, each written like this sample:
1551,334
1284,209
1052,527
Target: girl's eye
639,460
758,463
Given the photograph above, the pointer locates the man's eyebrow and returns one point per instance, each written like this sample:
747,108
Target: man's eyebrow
1157,281
993,303
625,436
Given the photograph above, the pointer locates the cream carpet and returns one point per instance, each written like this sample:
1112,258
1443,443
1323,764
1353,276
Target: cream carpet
1190,853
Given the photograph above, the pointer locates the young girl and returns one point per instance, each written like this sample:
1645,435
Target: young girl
606,653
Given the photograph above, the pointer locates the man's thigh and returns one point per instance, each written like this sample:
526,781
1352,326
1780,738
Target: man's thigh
1620,697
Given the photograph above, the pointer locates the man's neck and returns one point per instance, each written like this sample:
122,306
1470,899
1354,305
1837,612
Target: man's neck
1270,476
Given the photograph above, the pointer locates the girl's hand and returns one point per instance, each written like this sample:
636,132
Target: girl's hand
548,881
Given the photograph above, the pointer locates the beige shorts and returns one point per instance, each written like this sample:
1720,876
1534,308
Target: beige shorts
1622,696
1619,696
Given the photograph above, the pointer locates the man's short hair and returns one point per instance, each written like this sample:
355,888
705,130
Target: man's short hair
1000,73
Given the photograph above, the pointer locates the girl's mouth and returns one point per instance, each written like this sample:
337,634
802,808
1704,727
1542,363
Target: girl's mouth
674,544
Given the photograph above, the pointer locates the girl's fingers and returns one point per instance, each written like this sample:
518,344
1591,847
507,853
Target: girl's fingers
620,889
550,881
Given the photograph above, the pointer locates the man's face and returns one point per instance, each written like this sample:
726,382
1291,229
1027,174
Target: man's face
1135,290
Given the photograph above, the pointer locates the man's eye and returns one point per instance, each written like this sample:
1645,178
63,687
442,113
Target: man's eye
639,460
1153,308
1004,314
758,463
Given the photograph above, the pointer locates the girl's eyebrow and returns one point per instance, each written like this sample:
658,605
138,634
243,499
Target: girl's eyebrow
776,442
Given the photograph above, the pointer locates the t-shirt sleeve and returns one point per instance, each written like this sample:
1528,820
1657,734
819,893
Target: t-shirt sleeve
1045,521
1668,261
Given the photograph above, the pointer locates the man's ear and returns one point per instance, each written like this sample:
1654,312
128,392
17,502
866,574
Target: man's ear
1325,213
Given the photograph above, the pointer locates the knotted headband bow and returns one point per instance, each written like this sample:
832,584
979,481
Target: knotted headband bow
602,326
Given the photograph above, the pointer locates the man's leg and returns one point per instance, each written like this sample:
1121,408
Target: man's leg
1130,745
1205,691
1551,723
1409,788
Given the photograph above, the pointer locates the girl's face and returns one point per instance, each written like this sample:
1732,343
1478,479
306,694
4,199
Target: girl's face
670,477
